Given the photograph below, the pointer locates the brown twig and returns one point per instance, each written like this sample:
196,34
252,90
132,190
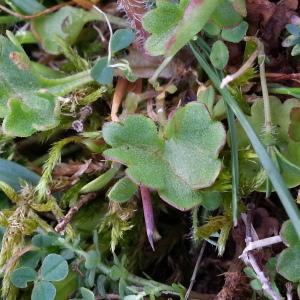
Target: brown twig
39,14
197,265
84,199
282,76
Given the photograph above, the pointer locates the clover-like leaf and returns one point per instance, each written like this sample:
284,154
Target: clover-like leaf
121,39
290,150
235,34
102,73
178,164
54,268
219,55
87,294
21,276
43,290
174,25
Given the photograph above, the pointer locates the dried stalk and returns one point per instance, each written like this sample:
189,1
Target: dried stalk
250,260
84,199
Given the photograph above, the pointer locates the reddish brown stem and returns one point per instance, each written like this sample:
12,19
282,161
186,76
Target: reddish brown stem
148,213
39,14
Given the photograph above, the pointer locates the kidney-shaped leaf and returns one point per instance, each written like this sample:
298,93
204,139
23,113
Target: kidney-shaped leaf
178,164
54,268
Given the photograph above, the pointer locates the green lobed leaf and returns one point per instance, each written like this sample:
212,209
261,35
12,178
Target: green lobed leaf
121,39
280,114
178,164
219,55
288,264
43,290
21,276
22,106
54,268
123,190
172,25
28,100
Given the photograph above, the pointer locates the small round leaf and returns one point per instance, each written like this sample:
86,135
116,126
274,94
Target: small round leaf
43,240
219,55
101,72
21,276
92,259
43,290
123,190
87,294
54,268
289,234
235,34
121,39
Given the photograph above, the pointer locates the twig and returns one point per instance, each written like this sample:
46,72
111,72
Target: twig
39,14
197,265
250,260
84,199
263,243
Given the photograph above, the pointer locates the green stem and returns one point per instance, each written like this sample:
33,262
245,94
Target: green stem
65,85
101,181
271,170
233,143
8,20
163,65
234,163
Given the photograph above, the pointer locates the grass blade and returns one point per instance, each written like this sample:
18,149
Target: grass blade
271,170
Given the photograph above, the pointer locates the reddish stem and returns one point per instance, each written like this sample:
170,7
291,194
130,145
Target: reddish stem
148,214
